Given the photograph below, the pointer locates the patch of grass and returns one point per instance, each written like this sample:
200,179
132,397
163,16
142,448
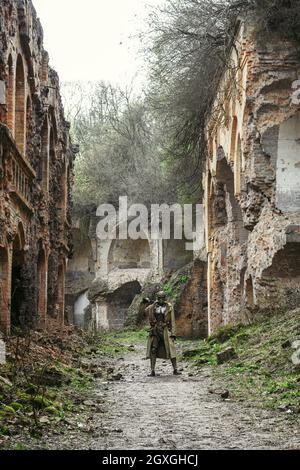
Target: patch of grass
113,343
4,430
204,353
224,333
263,371
173,287
20,446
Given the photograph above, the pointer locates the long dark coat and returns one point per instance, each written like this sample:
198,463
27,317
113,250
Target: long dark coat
167,350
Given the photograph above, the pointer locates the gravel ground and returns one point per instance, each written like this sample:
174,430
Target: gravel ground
167,412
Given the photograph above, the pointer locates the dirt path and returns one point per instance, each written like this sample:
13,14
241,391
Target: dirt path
167,412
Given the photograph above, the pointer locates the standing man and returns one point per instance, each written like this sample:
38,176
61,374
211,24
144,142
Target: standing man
162,334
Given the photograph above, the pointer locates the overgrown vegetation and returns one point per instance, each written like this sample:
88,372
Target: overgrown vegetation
116,342
174,286
120,148
151,145
41,382
50,376
263,372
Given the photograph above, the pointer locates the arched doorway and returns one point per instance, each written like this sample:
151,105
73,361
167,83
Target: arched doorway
80,305
4,292
225,176
17,289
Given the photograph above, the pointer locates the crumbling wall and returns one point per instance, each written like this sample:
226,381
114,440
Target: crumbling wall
251,180
36,170
81,267
189,287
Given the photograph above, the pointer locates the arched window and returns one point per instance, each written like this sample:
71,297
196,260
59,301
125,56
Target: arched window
233,139
20,105
17,277
10,94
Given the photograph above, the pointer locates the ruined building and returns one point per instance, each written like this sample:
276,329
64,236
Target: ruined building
109,274
251,183
36,160
252,180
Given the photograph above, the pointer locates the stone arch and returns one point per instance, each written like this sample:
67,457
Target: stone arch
17,280
129,254
10,89
233,138
20,235
4,291
281,281
20,112
225,175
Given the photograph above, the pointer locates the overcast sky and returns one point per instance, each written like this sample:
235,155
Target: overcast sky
90,39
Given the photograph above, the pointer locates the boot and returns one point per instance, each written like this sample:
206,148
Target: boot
153,363
174,364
